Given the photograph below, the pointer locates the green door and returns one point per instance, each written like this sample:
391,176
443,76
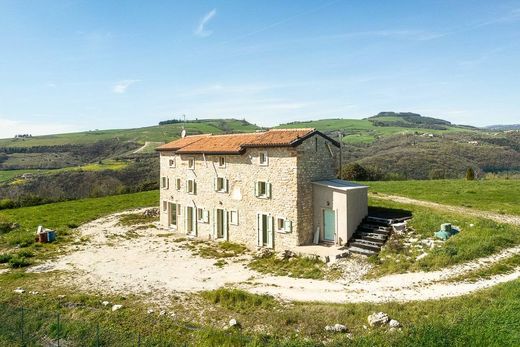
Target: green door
329,224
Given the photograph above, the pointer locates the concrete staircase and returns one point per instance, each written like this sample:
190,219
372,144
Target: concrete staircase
370,236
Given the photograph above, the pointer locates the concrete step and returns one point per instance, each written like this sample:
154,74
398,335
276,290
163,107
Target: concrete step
366,245
365,234
376,227
373,231
368,240
362,251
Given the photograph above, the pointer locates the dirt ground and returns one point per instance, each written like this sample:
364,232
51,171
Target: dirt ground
112,258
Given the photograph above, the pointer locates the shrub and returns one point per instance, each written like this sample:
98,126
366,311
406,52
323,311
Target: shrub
5,225
238,300
355,172
470,174
5,257
18,262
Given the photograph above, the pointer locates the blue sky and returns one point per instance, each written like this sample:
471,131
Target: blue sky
80,65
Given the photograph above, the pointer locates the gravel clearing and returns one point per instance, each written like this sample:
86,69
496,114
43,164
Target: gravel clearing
112,258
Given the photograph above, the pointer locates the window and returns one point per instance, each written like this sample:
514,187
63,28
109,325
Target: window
283,225
316,144
233,217
221,162
178,184
263,190
221,184
263,159
165,206
191,163
171,162
191,187
165,182
202,215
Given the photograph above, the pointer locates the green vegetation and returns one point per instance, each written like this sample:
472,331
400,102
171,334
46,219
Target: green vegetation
136,219
501,267
365,131
159,133
498,195
479,237
65,216
239,300
486,318
298,267
215,250
7,175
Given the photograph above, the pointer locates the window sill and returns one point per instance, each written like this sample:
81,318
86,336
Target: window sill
265,197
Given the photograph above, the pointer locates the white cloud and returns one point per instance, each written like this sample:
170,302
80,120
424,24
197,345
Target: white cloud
201,30
9,128
121,86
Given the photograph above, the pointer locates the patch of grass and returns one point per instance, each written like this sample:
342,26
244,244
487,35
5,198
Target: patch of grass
501,267
216,250
63,217
479,237
220,263
17,261
238,300
486,318
299,267
136,219
497,195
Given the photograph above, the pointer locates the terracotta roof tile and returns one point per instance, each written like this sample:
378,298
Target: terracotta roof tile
236,143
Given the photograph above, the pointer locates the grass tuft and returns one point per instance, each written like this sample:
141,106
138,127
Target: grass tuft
238,300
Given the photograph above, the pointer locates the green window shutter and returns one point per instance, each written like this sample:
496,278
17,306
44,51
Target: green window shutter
259,229
226,226
270,241
227,185
194,219
215,183
268,190
194,187
288,226
257,188
214,222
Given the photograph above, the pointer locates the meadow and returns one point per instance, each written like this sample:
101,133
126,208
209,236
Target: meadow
7,175
497,195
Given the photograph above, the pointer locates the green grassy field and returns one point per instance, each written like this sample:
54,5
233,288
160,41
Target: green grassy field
6,175
157,133
479,237
487,318
364,131
65,216
502,196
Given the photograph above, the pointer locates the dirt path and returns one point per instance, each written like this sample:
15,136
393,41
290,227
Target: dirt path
119,259
497,217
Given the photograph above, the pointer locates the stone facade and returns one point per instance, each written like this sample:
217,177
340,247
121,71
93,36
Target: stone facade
290,171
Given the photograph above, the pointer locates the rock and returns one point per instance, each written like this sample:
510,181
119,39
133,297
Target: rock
378,319
152,212
33,292
61,296
105,303
233,323
394,324
420,256
285,255
337,328
116,307
19,290
162,313
150,311
263,253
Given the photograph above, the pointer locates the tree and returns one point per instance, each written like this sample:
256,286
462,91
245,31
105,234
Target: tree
355,172
470,174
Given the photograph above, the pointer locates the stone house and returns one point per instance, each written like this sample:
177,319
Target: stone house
257,189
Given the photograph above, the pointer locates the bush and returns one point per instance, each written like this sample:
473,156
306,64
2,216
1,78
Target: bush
354,172
238,300
5,257
470,174
5,225
17,262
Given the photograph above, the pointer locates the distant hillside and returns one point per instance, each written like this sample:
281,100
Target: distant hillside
503,127
158,133
384,124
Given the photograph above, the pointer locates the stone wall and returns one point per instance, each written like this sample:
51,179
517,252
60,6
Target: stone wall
290,171
242,171
315,162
